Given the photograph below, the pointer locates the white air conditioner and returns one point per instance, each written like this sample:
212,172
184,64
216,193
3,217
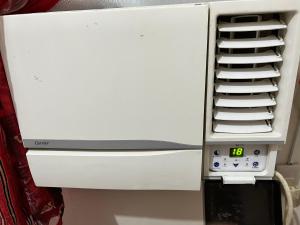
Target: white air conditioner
129,98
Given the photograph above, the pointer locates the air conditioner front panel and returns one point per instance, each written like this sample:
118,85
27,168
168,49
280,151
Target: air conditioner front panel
134,75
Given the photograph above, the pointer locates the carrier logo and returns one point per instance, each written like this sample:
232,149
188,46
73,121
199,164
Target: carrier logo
41,142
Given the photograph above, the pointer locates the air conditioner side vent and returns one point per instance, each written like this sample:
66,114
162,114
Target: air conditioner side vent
247,72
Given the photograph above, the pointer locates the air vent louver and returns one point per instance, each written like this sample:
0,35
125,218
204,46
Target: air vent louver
248,60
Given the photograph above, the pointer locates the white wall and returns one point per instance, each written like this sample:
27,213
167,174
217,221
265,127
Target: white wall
297,118
99,207
296,220
283,156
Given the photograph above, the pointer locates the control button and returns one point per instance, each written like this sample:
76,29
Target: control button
235,164
225,165
255,164
247,159
247,164
216,164
216,152
256,152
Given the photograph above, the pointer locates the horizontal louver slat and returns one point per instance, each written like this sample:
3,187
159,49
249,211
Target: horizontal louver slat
245,87
241,127
269,41
243,114
238,101
249,58
251,26
247,73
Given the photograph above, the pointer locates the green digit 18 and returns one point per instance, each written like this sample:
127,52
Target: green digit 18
239,151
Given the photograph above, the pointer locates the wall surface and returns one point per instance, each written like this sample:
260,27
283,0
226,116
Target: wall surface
297,153
98,207
296,220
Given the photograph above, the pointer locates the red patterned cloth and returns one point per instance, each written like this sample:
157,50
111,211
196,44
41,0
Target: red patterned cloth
38,6
21,202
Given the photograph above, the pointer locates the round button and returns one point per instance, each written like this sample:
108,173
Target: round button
216,152
255,164
256,152
216,164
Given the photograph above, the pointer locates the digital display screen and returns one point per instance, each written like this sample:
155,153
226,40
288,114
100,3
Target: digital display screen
236,152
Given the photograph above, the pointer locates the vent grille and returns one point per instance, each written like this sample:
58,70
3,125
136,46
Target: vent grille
248,60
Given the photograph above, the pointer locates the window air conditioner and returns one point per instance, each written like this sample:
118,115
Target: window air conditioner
131,98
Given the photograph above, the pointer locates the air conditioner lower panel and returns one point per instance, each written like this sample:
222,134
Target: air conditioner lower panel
124,170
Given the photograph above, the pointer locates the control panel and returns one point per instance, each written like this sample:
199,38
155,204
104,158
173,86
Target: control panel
238,157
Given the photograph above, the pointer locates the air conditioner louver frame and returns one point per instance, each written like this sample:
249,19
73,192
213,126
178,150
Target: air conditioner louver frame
278,62
256,48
